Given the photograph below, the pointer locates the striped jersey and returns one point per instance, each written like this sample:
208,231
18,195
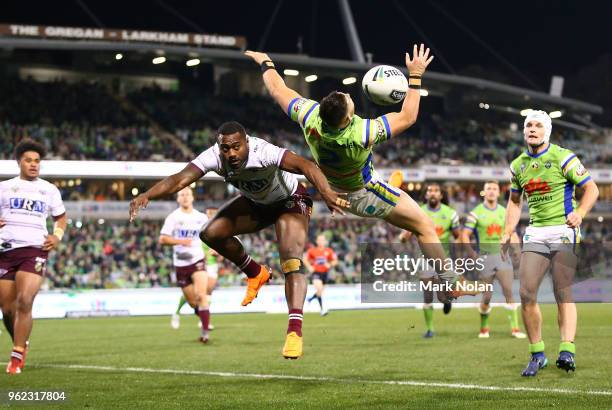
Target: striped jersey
548,179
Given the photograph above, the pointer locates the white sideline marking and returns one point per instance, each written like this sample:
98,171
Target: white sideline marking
327,379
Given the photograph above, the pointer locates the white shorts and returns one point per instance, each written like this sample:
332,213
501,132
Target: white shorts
213,271
494,263
548,239
376,200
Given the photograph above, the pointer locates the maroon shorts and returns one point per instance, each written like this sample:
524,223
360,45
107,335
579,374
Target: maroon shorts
27,259
183,273
298,203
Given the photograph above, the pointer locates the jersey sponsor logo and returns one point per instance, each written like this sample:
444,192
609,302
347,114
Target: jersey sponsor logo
439,230
547,165
253,186
27,204
537,186
494,229
580,170
186,233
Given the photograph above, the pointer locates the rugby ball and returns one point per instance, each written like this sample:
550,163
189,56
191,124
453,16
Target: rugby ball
384,85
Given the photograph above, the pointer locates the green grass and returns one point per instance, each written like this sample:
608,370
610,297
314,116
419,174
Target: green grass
354,348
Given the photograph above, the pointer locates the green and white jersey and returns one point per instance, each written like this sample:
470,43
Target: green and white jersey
344,156
445,220
548,180
488,226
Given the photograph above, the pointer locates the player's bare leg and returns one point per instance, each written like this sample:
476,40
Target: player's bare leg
531,272
291,231
563,270
26,287
7,304
200,290
505,279
235,218
428,308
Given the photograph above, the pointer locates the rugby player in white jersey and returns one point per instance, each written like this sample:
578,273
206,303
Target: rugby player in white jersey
270,194
25,203
181,230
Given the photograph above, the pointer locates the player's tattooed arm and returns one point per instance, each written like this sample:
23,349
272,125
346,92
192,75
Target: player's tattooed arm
513,216
591,193
275,84
298,165
166,186
401,121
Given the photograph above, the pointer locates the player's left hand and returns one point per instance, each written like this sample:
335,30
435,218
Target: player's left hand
137,204
257,56
574,219
420,60
336,202
50,243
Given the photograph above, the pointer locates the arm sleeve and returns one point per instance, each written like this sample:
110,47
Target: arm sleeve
471,221
300,109
57,205
167,228
375,131
208,160
573,170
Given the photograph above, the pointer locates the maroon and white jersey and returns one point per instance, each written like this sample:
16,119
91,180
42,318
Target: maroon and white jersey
183,225
24,207
260,179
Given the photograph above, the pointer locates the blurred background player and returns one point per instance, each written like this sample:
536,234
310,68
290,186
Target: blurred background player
548,175
270,194
446,222
319,260
486,223
341,144
26,202
181,230
212,274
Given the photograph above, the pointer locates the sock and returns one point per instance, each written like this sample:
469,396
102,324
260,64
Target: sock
567,347
295,321
204,315
180,305
249,267
428,312
484,317
537,349
313,297
513,316
17,353
8,323
320,300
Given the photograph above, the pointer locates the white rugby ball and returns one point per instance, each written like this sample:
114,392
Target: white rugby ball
384,85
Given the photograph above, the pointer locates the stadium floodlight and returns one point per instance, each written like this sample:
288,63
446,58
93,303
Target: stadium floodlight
118,56
134,191
555,114
192,62
424,92
526,112
311,78
290,72
159,60
349,80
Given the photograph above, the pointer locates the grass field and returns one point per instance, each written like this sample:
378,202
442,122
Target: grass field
356,359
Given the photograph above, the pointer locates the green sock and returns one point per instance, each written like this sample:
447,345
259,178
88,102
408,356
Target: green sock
536,347
180,305
513,317
567,347
428,312
484,320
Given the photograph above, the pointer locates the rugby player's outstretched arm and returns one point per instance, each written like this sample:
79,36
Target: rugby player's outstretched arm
275,84
401,121
166,186
298,165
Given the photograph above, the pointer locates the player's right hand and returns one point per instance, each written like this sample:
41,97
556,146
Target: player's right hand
138,203
420,60
336,202
505,246
186,242
257,56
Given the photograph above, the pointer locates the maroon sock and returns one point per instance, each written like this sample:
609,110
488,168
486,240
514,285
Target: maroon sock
249,266
204,318
295,321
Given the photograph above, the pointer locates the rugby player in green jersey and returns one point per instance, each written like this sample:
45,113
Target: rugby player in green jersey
341,144
486,224
547,175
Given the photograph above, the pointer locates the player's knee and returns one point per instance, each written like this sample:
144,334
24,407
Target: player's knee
23,302
528,296
292,265
212,233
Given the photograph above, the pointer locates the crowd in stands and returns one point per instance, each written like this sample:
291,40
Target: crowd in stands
86,121
119,255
